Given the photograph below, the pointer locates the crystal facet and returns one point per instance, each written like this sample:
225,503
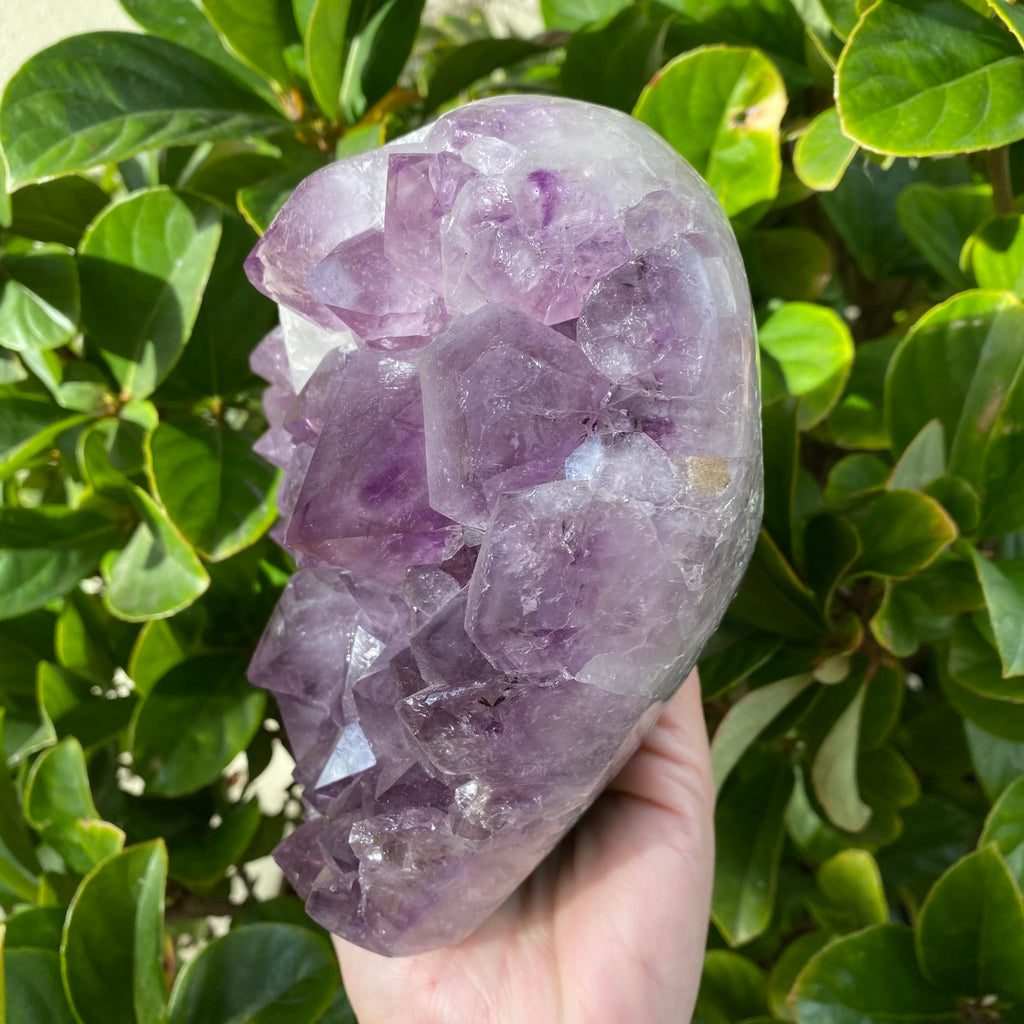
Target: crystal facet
514,398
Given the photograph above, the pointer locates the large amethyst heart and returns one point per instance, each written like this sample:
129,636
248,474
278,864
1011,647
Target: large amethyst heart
514,397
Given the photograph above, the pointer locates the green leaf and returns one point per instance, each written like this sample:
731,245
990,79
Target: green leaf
260,974
730,656
610,62
878,243
773,598
105,96
731,988
89,641
831,547
823,152
216,490
257,31
1003,586
901,532
35,928
150,254
18,864
720,107
834,770
29,426
39,299
574,14
970,932
870,977
381,34
156,574
748,717
161,644
995,254
858,421
339,1011
789,263
203,855
922,461
997,763
75,708
460,67
183,22
1010,16
196,718
749,834
927,77
781,436
814,349
963,363
56,211
1005,828
935,834
324,37
45,551
113,939
852,894
259,204
59,805
787,967
32,980
940,220
856,474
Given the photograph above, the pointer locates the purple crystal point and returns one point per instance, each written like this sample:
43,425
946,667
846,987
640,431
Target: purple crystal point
514,396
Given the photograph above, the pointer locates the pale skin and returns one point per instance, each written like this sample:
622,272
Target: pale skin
609,930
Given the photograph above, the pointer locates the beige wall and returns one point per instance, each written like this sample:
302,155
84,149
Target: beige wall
27,26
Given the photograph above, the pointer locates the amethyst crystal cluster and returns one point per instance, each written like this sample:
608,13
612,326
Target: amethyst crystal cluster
514,398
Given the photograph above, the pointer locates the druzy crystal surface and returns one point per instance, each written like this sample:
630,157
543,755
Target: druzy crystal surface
514,399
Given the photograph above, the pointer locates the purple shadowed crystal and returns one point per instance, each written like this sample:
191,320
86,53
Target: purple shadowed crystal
514,397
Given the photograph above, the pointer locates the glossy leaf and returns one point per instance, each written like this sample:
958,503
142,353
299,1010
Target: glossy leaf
940,220
152,254
858,421
381,35
834,770
731,988
203,855
89,641
156,573
45,551
901,533
56,211
749,833
787,967
814,349
324,36
31,978
573,14
35,928
59,805
995,254
259,973
105,96
1003,586
720,107
39,299
920,78
1010,16
29,425
970,932
851,893
870,977
183,22
18,864
823,152
998,763
111,951
747,718
610,62
257,31
1005,828
466,64
216,490
195,719
922,461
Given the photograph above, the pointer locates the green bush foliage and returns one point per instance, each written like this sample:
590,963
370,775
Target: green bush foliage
866,690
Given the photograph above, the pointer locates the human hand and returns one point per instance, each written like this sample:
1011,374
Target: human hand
610,929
